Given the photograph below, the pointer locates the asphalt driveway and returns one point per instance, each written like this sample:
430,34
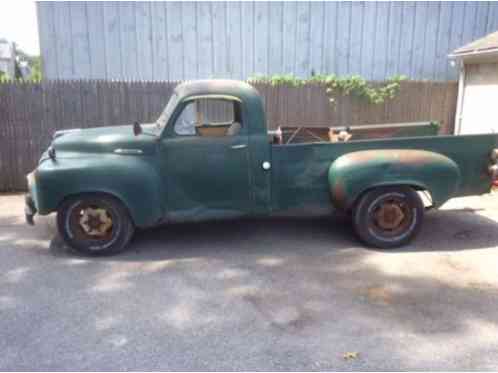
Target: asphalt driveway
254,295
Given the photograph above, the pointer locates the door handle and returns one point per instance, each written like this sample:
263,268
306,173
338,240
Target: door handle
239,146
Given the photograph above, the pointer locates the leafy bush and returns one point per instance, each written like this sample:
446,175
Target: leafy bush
346,85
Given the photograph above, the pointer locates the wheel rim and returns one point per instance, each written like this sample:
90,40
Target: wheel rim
95,222
391,217
92,224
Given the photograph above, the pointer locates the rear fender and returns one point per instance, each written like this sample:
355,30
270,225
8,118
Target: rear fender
352,174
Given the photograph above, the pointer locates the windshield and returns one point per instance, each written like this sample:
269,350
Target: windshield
166,114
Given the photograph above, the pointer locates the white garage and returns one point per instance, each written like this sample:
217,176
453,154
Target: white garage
477,106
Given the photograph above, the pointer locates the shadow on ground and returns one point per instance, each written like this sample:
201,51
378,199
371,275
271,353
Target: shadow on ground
446,230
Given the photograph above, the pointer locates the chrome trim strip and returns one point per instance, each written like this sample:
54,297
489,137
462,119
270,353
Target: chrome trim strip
240,146
128,151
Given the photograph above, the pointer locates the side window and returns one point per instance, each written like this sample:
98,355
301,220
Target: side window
209,117
186,122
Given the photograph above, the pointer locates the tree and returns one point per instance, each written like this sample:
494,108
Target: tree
34,63
36,72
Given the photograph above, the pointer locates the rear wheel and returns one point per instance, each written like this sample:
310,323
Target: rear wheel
94,224
388,217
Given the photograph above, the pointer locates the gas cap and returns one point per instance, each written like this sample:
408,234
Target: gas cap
266,165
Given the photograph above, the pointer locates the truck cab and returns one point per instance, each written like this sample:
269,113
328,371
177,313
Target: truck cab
214,152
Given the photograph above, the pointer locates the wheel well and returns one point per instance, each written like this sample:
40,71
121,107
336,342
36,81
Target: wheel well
424,194
105,194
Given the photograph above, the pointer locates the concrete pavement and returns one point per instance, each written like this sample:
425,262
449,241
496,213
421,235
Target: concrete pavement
254,295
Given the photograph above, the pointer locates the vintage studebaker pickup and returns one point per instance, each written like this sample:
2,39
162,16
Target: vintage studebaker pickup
210,156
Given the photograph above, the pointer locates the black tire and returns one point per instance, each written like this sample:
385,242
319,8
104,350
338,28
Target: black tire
388,217
107,229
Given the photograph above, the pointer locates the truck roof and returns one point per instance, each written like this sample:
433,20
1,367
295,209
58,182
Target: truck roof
236,88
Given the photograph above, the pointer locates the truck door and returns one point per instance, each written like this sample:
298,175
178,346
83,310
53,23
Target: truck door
204,161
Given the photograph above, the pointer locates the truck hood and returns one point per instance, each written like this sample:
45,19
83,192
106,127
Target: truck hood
106,140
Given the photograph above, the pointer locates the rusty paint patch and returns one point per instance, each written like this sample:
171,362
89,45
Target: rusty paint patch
405,156
339,192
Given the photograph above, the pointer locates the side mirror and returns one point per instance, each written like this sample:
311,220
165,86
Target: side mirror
137,128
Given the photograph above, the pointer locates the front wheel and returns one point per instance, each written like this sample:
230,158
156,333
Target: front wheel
388,217
94,224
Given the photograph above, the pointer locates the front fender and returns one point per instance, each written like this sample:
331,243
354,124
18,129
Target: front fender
353,173
132,179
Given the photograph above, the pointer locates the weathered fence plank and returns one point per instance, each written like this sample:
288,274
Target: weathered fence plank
30,113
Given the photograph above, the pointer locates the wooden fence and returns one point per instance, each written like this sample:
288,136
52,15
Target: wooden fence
30,113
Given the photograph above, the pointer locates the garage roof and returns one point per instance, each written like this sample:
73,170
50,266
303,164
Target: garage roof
485,45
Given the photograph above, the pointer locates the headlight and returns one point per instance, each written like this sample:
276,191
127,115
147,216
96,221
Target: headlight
31,179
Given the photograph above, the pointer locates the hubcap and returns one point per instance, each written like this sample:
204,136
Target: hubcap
389,216
95,222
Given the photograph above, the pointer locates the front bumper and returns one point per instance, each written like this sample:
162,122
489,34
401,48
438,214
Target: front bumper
29,209
29,204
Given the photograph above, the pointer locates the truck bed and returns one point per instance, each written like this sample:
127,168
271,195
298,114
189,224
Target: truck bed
308,134
299,177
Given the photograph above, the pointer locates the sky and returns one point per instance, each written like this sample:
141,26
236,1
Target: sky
18,24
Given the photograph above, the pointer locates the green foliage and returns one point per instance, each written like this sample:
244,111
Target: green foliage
34,62
274,80
3,77
348,85
36,71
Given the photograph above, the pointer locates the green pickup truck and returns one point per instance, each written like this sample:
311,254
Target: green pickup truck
210,156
